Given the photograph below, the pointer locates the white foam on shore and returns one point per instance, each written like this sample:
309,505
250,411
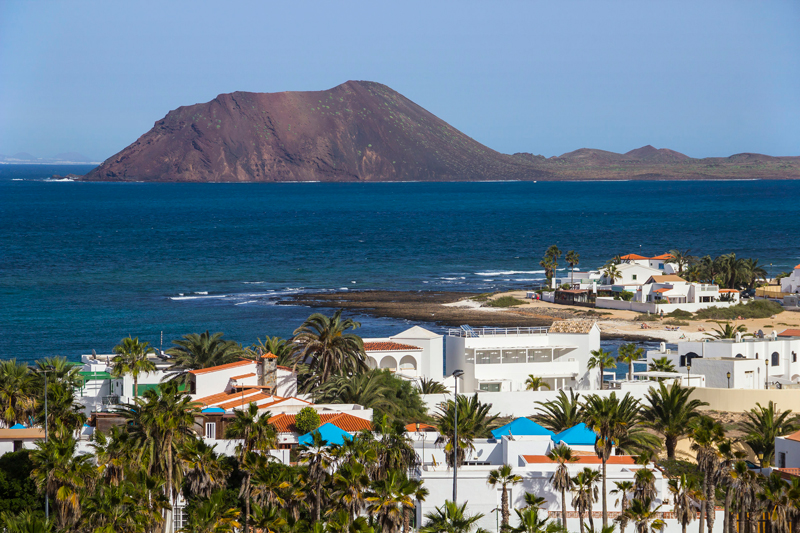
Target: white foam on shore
178,298
508,272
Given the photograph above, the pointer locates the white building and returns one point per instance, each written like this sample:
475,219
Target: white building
792,282
500,359
787,451
668,293
631,275
753,363
412,354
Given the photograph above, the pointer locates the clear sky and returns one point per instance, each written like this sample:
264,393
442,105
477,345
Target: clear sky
706,78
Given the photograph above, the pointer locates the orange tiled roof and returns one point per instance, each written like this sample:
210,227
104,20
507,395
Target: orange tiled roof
789,333
269,355
662,257
662,290
285,368
728,290
251,374
633,257
223,396
584,459
285,423
412,428
794,436
387,346
247,400
798,266
243,362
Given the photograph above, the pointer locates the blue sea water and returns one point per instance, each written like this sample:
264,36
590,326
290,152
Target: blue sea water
84,264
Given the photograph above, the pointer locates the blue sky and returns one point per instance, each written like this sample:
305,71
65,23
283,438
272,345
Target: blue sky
705,78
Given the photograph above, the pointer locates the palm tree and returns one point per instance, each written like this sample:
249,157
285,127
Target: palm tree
193,352
729,331
685,496
450,518
27,521
550,261
561,480
281,348
584,488
212,515
644,484
350,484
535,383
745,485
762,426
529,522
132,359
601,359
623,489
504,476
317,456
362,389
431,386
755,272
388,500
776,502
572,258
16,392
323,342
414,489
611,273
682,259
645,518
60,370
256,435
474,421
628,353
268,519
561,413
662,364
614,421
204,473
122,508
270,481
706,434
670,411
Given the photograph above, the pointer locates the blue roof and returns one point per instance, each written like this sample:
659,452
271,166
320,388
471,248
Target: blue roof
18,426
577,435
213,410
329,432
521,426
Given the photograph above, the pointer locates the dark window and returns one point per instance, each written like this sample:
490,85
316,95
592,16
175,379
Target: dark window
17,445
690,356
776,358
794,357
683,360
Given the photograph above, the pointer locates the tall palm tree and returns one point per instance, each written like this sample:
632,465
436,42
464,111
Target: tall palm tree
755,272
213,515
132,359
535,383
623,488
504,476
685,496
122,508
256,435
450,518
16,392
414,489
431,386
474,421
763,425
387,501
644,516
561,480
550,261
601,359
204,473
584,489
529,522
776,503
572,258
706,435
350,485
268,519
195,351
611,273
316,455
682,259
324,343
614,421
60,370
644,484
628,353
745,485
670,411
729,331
281,348
561,413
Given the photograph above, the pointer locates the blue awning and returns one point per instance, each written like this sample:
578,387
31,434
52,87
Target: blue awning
18,426
330,433
521,426
213,410
578,435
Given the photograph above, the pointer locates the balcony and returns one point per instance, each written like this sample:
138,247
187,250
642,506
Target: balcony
466,331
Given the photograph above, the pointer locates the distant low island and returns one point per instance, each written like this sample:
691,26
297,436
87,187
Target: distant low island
363,131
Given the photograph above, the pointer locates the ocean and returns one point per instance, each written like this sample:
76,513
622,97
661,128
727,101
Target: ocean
83,265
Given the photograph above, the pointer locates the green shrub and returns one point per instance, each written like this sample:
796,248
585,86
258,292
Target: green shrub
679,313
754,309
626,295
674,322
306,420
505,301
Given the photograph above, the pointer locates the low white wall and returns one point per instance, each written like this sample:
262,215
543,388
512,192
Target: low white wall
605,302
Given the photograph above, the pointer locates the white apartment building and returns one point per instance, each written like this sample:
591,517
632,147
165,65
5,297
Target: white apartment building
792,282
411,354
500,359
752,363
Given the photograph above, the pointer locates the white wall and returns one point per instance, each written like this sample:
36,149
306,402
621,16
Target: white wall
605,302
792,450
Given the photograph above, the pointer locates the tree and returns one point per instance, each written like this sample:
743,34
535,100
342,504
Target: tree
601,359
132,359
670,411
662,364
388,499
584,489
529,522
775,501
706,434
281,348
550,261
560,414
268,519
623,488
450,518
645,518
193,352
535,383
307,420
119,508
431,386
324,343
611,273
365,389
762,426
504,476
685,496
628,353
17,489
26,521
213,515
414,489
729,331
644,484
682,259
572,258
614,421
204,473
61,370
745,486
16,392
317,456
474,421
561,480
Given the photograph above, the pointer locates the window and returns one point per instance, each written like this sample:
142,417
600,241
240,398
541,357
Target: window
17,445
782,460
179,517
661,266
490,387
776,359
482,357
794,357
211,430
633,277
683,360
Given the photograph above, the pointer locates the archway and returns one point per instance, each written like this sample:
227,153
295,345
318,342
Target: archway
389,363
408,364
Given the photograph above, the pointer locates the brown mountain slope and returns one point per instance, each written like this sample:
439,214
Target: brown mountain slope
358,131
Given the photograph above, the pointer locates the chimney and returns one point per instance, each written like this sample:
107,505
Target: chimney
268,370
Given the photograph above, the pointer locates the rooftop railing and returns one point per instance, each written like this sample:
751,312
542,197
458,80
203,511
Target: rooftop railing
482,332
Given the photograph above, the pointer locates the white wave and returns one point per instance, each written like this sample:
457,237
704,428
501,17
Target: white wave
453,279
508,272
177,298
343,289
17,179
253,282
247,302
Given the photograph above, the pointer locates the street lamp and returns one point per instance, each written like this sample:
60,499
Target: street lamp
729,380
689,374
457,373
766,372
496,512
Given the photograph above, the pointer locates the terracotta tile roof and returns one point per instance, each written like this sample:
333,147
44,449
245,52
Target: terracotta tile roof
251,374
412,428
285,423
728,290
665,278
662,257
240,401
269,355
789,333
225,396
571,326
243,362
633,257
583,459
662,290
387,346
794,436
788,473
795,268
